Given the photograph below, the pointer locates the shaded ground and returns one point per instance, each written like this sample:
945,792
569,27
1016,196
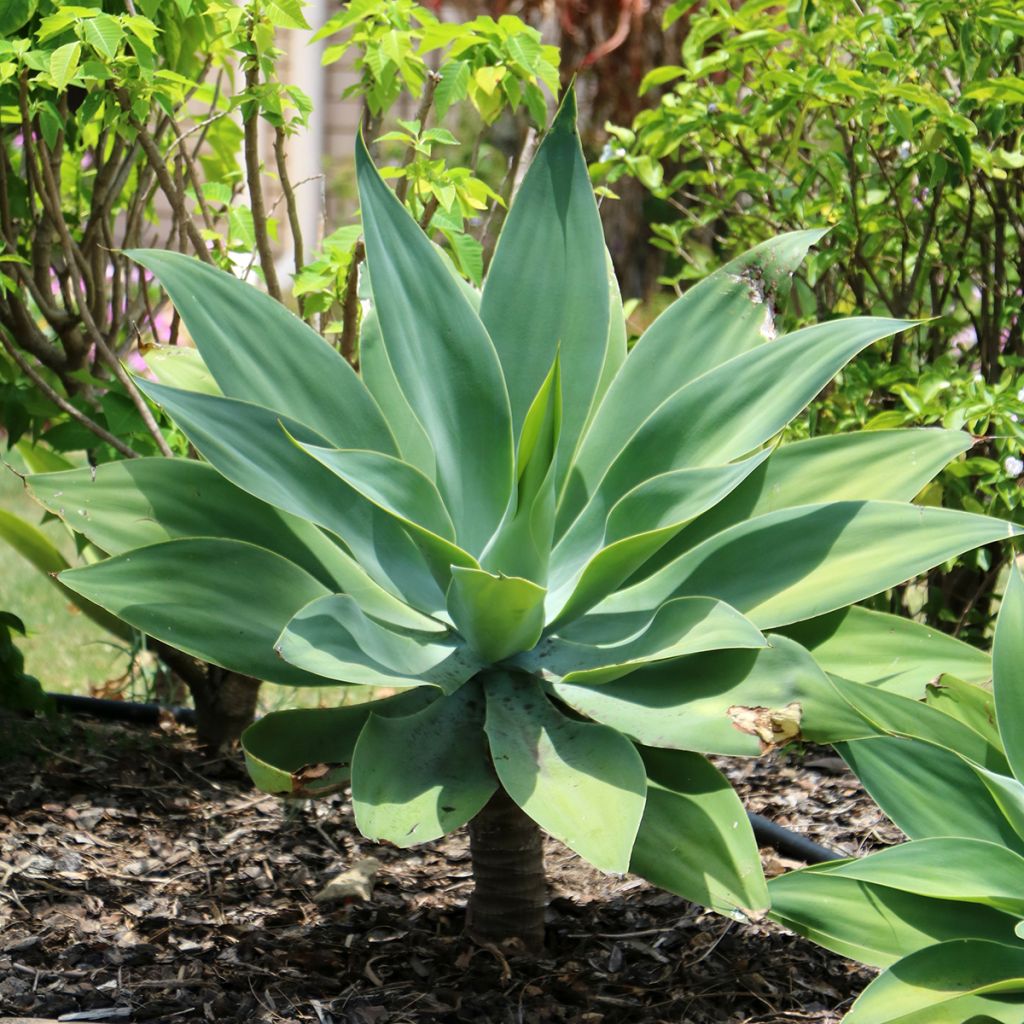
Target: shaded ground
138,877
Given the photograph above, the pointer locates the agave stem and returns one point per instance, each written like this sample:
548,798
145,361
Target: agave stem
510,891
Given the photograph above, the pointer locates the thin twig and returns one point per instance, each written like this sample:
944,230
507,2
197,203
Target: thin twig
252,172
62,403
426,102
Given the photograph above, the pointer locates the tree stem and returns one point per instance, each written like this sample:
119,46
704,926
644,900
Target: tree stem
510,894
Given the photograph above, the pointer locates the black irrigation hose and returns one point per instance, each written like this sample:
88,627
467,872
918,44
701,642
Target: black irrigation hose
790,844
767,833
120,710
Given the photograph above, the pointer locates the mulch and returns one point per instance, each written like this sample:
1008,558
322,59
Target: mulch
142,881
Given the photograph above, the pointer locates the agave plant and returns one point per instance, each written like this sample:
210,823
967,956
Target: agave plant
562,557
943,913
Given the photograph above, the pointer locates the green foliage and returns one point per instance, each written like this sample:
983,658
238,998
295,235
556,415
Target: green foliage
18,691
565,559
943,912
899,126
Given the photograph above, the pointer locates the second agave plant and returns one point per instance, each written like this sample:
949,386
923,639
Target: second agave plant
576,567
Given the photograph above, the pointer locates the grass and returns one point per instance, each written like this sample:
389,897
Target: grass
66,651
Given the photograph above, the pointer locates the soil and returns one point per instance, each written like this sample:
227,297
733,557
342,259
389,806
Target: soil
141,880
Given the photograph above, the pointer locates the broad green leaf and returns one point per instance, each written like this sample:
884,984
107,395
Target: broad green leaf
574,779
695,838
723,414
403,492
379,376
955,868
443,360
104,33
888,651
608,542
498,615
249,445
280,745
197,595
40,459
929,791
14,14
64,64
802,562
882,465
180,367
963,980
1008,671
694,703
123,505
418,777
598,648
259,351
547,286
872,923
334,638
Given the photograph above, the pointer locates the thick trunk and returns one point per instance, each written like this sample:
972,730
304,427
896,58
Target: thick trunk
510,894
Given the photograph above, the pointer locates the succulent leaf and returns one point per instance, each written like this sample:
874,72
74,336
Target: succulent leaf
258,350
547,287
189,593
443,360
332,637
802,562
599,648
308,751
417,777
687,796
573,778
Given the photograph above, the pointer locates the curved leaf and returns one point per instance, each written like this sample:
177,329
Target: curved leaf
573,778
868,465
250,447
443,360
498,615
606,545
197,595
418,777
699,425
259,351
403,492
695,838
547,285
803,562
929,791
872,923
332,637
593,649
307,752
955,868
686,704
947,984
888,651
719,318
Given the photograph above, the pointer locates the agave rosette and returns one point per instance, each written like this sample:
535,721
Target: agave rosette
563,556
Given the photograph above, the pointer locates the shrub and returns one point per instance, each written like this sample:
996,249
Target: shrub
564,559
